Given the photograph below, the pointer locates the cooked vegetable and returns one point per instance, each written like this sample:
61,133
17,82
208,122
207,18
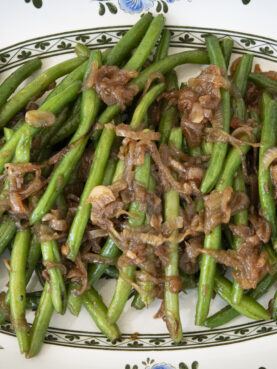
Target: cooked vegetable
121,174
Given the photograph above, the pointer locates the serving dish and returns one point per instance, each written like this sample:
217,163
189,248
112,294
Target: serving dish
100,24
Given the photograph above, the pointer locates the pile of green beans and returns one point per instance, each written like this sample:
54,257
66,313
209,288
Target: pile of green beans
82,152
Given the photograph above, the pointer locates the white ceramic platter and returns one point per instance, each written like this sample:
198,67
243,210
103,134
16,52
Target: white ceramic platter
50,29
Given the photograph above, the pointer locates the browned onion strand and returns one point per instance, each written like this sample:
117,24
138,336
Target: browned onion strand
111,83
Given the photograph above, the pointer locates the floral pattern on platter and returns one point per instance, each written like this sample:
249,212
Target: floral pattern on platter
150,364
129,6
136,6
181,37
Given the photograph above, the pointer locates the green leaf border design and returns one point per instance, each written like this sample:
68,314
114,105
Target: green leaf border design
156,342
184,38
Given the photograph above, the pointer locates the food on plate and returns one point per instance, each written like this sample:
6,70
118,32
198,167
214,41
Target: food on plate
123,172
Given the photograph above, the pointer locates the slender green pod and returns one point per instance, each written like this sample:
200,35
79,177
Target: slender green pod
74,302
70,125
76,75
228,313
219,148
227,46
53,105
50,253
240,81
137,302
123,287
130,40
213,240
7,232
89,110
47,133
8,133
268,140
240,218
20,99
42,319
163,46
171,211
270,85
248,306
17,288
168,114
98,311
14,80
32,258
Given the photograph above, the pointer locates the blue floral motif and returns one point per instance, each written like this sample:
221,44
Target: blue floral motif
162,366
135,6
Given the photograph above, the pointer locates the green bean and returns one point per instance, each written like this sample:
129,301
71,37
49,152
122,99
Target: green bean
195,151
41,322
219,148
47,133
50,252
168,63
207,147
213,240
70,126
8,133
268,140
112,272
97,270
14,80
109,172
240,81
22,154
248,306
171,211
33,257
61,176
82,50
265,82
240,218
226,46
137,302
76,75
228,313
125,45
74,302
32,300
18,288
163,46
123,287
131,39
242,73
34,254
20,99
97,170
98,311
53,105
7,232
168,115
146,45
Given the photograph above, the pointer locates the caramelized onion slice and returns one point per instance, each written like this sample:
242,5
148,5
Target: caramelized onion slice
269,156
40,118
